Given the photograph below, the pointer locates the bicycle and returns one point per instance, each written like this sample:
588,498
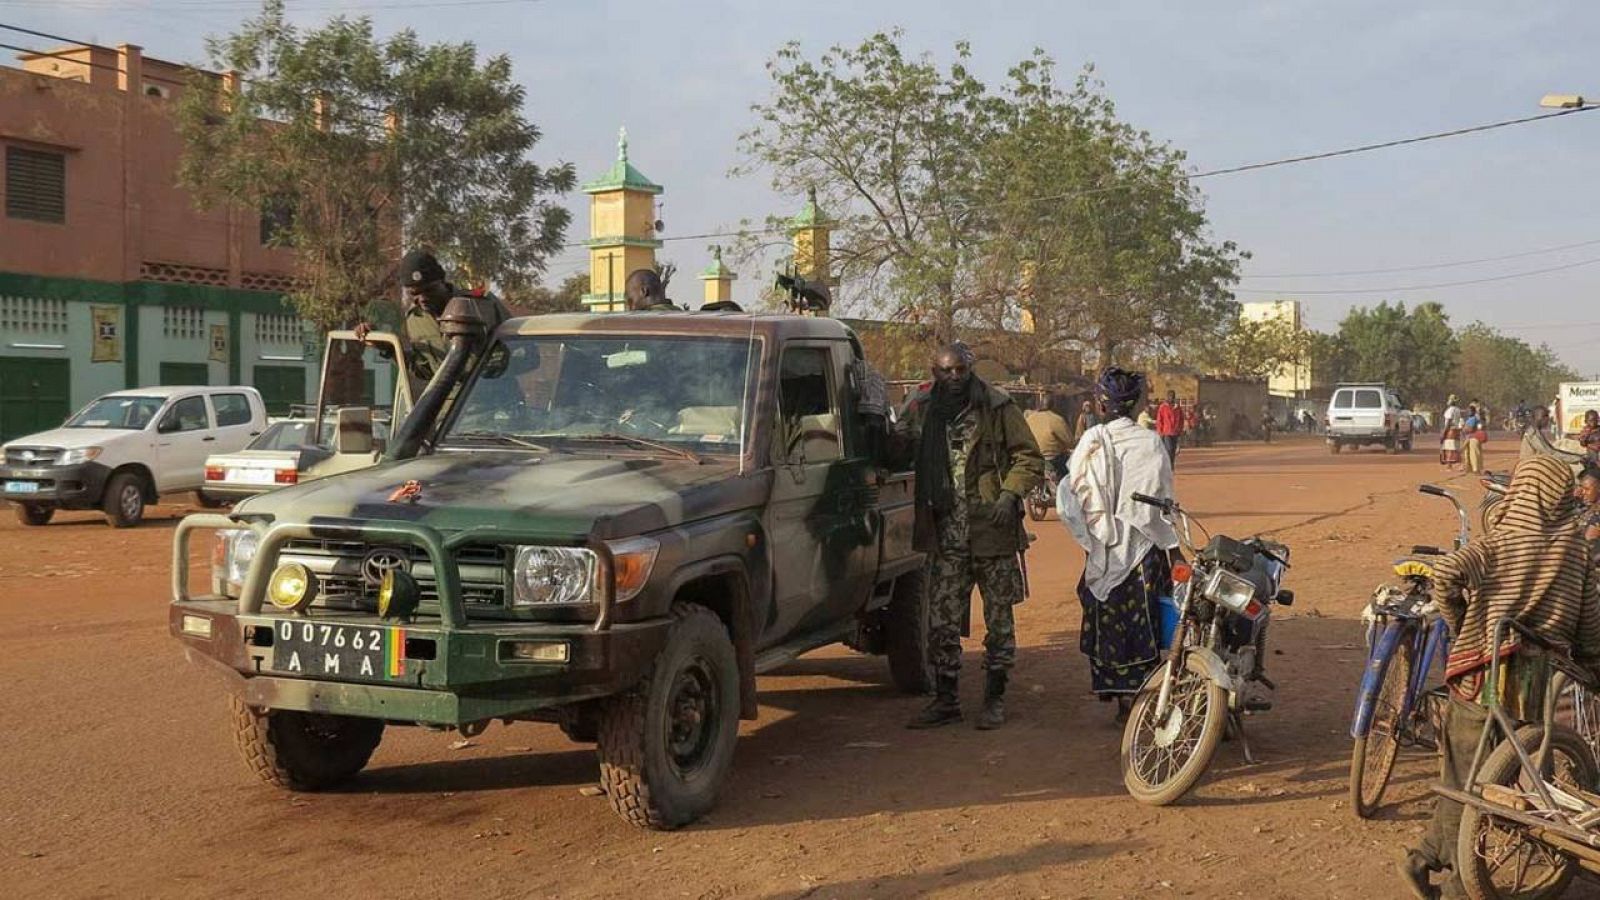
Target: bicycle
1406,640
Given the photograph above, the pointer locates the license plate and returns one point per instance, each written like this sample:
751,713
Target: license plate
318,650
22,487
249,476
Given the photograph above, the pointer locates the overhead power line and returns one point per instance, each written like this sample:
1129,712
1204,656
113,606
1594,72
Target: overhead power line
1427,266
1286,292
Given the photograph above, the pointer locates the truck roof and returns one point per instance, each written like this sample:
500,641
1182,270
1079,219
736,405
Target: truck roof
167,390
731,324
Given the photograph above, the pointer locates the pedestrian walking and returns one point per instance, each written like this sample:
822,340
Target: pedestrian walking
975,460
1086,420
1169,425
1450,434
1127,545
1533,566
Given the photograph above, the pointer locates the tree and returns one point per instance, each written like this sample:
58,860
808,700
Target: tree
1414,352
1256,348
354,142
1091,225
538,299
888,142
1503,371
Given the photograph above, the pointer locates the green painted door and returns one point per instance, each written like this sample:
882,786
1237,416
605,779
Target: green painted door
35,395
280,386
183,373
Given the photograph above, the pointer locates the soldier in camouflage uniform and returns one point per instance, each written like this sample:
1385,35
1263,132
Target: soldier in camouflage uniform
422,280
975,460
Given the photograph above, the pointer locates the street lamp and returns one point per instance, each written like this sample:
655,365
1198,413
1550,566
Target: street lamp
1564,101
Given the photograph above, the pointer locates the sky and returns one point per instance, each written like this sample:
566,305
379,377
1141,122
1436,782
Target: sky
1229,83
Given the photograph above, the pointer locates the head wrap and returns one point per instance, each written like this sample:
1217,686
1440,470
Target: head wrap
1119,390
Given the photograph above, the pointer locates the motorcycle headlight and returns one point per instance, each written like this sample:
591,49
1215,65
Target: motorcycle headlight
77,456
547,576
235,548
1230,590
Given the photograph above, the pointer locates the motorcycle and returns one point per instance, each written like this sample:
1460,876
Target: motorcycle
1215,665
1042,498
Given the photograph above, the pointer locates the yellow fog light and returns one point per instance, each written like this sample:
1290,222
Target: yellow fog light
398,595
199,626
535,651
292,587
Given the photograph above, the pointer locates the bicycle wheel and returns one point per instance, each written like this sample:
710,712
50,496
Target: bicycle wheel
1497,859
1372,758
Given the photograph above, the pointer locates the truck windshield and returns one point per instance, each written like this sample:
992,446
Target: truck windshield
687,390
132,413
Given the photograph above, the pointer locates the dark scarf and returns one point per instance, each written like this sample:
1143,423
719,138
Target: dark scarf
935,487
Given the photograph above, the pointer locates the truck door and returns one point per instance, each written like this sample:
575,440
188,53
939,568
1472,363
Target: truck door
817,519
184,438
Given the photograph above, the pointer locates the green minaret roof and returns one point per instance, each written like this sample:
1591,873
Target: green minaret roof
810,216
718,269
622,175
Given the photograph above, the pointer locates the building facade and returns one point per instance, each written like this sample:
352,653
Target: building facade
110,277
1290,381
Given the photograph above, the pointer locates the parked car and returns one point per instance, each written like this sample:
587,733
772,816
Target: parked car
318,439
1362,414
126,449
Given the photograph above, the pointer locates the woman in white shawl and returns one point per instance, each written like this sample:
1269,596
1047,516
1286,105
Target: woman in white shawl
1128,545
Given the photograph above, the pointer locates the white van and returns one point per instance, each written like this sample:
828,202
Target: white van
1361,414
126,449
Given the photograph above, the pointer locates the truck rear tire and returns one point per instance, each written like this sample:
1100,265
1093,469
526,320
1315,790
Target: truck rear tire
123,501
35,513
905,626
300,751
666,745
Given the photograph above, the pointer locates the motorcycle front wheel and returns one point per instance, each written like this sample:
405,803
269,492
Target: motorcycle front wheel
1163,760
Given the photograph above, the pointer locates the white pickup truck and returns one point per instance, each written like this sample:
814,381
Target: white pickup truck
126,449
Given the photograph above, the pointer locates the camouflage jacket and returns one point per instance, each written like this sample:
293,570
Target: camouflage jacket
1006,458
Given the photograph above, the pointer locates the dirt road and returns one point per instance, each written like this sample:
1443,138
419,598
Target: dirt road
118,778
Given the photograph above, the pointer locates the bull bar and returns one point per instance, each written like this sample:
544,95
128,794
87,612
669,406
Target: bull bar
438,546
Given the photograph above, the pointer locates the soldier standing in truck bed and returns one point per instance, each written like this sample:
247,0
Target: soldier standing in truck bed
975,460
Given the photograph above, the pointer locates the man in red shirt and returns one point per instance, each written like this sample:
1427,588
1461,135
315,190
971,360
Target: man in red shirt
1169,424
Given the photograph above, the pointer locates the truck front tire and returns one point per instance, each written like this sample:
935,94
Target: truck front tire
300,751
123,501
666,745
905,626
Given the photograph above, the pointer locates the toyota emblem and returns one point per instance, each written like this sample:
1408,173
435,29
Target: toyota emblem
382,561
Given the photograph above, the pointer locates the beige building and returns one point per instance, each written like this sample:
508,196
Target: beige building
1292,381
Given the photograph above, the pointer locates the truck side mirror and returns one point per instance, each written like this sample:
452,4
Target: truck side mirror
167,425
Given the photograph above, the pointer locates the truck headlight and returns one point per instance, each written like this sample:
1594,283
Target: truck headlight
545,576
235,548
77,456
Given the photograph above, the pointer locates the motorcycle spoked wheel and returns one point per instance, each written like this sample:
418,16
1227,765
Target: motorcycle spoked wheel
1163,760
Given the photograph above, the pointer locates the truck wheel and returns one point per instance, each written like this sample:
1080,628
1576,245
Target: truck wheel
34,513
301,751
209,502
905,622
667,743
124,500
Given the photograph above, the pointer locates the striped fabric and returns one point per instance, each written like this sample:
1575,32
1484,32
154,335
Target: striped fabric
1534,566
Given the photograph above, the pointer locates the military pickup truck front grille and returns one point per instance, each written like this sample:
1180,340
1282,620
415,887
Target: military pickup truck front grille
349,571
32,456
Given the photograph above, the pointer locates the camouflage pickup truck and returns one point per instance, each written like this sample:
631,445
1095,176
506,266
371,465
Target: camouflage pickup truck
610,522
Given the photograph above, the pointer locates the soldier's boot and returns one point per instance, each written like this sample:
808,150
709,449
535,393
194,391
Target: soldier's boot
943,709
994,701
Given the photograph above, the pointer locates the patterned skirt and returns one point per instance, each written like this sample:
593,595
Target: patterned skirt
1120,632
1450,447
